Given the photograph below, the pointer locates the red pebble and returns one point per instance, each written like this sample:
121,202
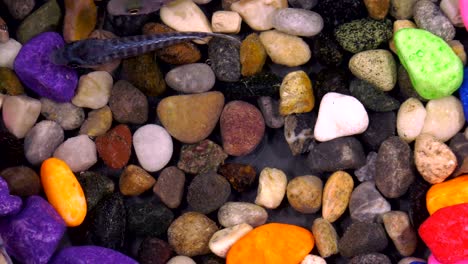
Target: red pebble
446,233
115,147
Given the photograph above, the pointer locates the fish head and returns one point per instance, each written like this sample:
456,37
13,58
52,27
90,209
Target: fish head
69,55
134,7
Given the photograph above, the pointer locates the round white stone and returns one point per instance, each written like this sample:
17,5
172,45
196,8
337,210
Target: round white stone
181,260
8,52
297,21
153,147
410,119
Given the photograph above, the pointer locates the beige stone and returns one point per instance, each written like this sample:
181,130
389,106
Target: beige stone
226,22
459,50
258,14
135,181
285,49
410,119
271,188
94,90
222,240
336,195
305,194
377,67
296,95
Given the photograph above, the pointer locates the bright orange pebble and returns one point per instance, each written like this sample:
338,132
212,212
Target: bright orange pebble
272,244
63,191
447,193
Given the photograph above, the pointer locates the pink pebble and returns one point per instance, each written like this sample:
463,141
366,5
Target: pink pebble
433,260
464,11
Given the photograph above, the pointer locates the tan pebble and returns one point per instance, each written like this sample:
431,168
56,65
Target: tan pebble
285,49
410,119
377,9
226,22
94,90
336,195
325,237
135,181
252,55
399,229
258,14
459,49
271,188
222,241
296,95
98,122
377,67
305,194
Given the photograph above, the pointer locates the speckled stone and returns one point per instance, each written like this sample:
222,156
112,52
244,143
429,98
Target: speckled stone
371,258
371,97
95,187
428,16
327,50
336,13
299,131
22,181
128,104
169,186
252,55
67,115
270,110
305,194
325,237
377,67
147,218
201,157
235,213
207,192
366,203
225,59
19,9
362,238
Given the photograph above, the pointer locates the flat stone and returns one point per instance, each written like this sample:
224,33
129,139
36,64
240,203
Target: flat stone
336,195
428,16
153,147
285,49
191,78
207,192
170,186
78,152
376,67
235,213
20,114
42,140
366,203
362,238
67,115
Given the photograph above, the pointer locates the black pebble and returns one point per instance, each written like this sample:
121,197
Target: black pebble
381,127
362,238
148,219
154,251
225,59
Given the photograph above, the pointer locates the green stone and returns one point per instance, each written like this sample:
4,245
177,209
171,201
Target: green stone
46,18
434,69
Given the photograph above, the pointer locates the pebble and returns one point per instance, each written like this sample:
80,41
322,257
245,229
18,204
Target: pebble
434,159
377,9
38,73
128,104
20,114
153,147
336,13
134,181
285,49
252,55
178,54
432,79
372,97
236,213
67,115
240,176
143,72
402,9
154,251
184,15
91,254
242,128
108,223
262,245
258,14
459,50
78,152
458,144
399,229
332,80
444,118
272,185
251,87
305,194
32,235
9,82
191,118
298,22
451,9
381,127
376,67
325,237
366,203
296,94
406,87
445,233
337,154
22,181
397,25
80,19
410,119
63,191
313,259
299,131
95,187
224,55
336,195
207,192
412,260
270,110
367,172
10,204
42,140
370,259
98,122
19,9
362,238
191,78
304,4
46,18
94,90
147,218
212,259
226,22
181,260
327,50
417,210
339,116
428,16
170,186
201,157
190,234
111,66
394,167
363,34
447,193
115,147
222,240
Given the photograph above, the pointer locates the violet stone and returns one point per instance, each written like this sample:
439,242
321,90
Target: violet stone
91,254
38,73
9,204
33,235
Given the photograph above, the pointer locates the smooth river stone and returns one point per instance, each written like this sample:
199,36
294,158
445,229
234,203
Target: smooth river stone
184,15
222,241
366,203
38,73
305,194
153,147
285,49
362,238
90,254
67,115
325,237
428,16
434,69
336,195
80,19
258,14
42,140
272,185
410,119
377,67
20,113
399,229
235,213
296,21
8,51
78,152
191,78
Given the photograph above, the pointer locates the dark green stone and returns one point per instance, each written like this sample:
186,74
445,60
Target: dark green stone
95,187
331,80
371,97
327,51
262,84
148,219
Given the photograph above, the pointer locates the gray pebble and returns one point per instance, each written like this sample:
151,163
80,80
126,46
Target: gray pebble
207,192
299,22
304,4
234,213
299,131
19,9
67,115
381,126
362,238
191,78
270,111
78,152
128,104
367,172
42,140
366,203
225,59
371,258
459,146
428,16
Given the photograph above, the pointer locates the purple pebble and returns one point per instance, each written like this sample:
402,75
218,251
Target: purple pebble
34,68
33,235
9,204
91,254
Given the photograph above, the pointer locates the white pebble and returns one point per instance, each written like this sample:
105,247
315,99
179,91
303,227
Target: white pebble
153,147
410,119
181,260
339,116
258,14
184,15
201,2
8,52
444,118
20,114
226,22
94,90
313,259
222,240
79,153
297,21
271,188
285,49
451,9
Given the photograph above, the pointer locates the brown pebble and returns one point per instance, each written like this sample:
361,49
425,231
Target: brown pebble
305,194
170,186
378,9
22,181
115,146
143,72
135,181
399,229
4,36
97,123
9,82
80,19
336,195
325,237
252,55
240,176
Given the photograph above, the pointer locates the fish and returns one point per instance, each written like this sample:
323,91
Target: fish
134,7
4,36
89,53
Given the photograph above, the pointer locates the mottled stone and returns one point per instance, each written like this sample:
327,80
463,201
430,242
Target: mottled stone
336,195
115,147
367,172
207,192
428,16
401,232
299,131
147,218
366,203
270,110
296,94
371,97
252,55
67,115
170,186
240,176
9,82
128,104
325,237
378,67
225,59
95,187
154,251
305,194
22,181
362,238
271,188
42,140
98,122
327,50
381,127
235,213
201,157
370,259
134,181
143,72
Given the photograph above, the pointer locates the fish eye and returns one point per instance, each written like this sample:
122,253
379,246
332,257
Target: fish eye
134,11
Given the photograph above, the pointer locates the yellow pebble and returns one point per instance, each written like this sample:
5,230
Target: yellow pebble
296,95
